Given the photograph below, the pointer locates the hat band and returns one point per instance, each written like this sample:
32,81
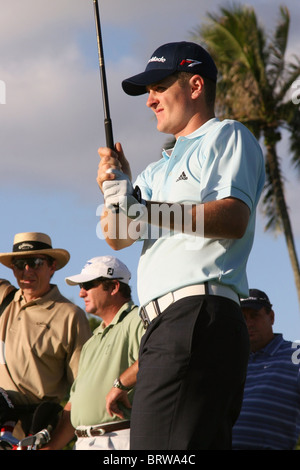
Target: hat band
31,246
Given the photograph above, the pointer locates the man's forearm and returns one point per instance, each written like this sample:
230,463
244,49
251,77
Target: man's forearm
63,433
115,229
128,377
225,218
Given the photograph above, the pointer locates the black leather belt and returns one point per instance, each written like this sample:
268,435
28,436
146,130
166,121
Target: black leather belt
101,429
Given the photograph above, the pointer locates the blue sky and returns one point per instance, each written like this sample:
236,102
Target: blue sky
52,125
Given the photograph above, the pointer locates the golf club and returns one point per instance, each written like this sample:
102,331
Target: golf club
107,119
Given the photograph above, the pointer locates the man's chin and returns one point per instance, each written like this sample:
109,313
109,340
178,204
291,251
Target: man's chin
89,309
28,287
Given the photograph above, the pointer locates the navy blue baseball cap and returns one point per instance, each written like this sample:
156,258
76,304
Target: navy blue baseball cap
170,58
256,300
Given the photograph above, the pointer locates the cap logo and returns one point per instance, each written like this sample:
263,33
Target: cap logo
258,298
25,246
31,245
157,59
110,271
190,62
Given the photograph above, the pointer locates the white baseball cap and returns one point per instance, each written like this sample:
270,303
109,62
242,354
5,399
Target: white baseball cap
101,266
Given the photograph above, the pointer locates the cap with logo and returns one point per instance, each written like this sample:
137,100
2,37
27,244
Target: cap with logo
256,300
170,58
101,266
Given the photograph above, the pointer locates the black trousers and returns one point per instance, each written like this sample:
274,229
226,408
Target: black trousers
192,369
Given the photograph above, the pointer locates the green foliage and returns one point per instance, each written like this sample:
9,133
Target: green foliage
254,87
94,322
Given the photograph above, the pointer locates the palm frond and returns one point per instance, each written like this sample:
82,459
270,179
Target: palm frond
269,204
253,87
235,38
277,48
291,74
294,128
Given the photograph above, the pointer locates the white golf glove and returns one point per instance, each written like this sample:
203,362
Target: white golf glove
119,193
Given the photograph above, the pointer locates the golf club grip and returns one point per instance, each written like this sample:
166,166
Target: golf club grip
108,133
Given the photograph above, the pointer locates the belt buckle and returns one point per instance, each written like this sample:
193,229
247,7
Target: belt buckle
100,430
144,317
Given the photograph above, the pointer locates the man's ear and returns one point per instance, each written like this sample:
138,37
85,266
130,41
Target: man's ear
115,288
272,316
197,85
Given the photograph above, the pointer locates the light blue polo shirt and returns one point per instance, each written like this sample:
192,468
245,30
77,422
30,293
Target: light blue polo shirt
218,160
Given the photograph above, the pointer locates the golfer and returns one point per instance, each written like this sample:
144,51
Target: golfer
193,356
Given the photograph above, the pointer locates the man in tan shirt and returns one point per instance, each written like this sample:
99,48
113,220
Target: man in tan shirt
41,332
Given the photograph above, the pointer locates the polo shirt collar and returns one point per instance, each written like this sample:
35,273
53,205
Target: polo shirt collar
46,301
202,130
126,308
272,347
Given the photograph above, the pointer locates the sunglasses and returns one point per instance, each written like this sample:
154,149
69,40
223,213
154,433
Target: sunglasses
94,283
33,263
90,284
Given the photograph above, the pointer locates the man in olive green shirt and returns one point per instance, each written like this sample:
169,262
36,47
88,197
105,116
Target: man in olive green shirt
113,348
41,332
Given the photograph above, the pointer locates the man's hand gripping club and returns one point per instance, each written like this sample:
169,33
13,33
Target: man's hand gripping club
114,180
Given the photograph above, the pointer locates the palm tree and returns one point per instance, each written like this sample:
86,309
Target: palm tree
255,80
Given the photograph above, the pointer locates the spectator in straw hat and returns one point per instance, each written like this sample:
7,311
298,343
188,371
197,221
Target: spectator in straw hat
41,332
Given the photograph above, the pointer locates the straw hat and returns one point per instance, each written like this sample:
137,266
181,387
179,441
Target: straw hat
34,243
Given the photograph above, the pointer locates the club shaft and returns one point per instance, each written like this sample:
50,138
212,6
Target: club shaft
107,119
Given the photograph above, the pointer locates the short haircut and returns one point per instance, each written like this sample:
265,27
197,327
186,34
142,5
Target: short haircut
209,86
124,289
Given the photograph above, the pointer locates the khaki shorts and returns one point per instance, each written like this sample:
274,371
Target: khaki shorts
117,440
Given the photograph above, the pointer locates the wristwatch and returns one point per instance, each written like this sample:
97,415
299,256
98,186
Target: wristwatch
118,384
